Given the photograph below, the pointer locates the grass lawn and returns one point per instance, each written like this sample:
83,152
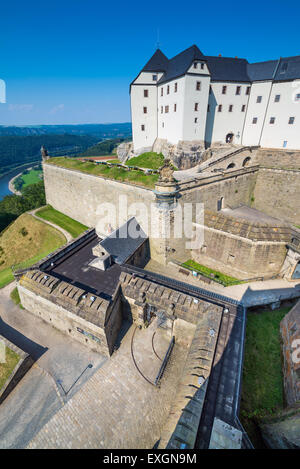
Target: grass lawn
206,271
72,226
262,391
32,177
148,160
118,174
12,359
16,297
24,242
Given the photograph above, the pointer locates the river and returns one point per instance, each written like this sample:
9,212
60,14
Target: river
4,180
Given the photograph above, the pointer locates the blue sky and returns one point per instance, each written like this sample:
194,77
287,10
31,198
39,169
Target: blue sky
71,61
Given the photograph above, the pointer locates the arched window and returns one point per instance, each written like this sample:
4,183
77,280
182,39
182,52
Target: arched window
231,165
246,161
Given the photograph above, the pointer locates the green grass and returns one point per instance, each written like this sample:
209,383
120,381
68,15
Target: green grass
11,360
118,174
72,226
262,390
32,177
207,272
150,160
16,297
23,243
6,277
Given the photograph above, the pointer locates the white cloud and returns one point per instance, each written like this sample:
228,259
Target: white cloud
55,109
20,107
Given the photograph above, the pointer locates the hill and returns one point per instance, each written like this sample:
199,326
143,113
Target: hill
26,240
102,148
18,150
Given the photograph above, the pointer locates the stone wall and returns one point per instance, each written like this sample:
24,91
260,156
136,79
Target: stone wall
290,333
87,318
277,193
275,158
239,256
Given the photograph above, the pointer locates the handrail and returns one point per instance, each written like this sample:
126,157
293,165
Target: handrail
165,361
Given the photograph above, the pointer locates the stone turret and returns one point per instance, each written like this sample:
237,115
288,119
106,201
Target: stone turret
44,153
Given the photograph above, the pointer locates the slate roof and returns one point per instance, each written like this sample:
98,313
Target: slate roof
179,64
124,241
227,68
157,63
224,68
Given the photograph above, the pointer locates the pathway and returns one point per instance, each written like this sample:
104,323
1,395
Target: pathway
62,230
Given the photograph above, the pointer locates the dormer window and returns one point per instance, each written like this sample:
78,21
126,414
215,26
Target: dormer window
202,66
284,67
154,77
195,64
175,88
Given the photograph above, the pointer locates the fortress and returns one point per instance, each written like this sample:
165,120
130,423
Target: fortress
196,101
101,281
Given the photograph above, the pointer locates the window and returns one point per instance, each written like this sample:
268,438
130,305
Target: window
154,77
230,108
277,98
291,120
220,108
202,66
168,89
195,64
272,120
284,67
254,120
142,127
163,124
238,90
175,88
166,109
248,90
175,107
208,108
224,89
196,107
243,107
259,99
161,109
145,110
161,91
198,85
196,120
297,97
146,94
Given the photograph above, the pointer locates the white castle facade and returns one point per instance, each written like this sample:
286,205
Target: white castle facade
198,98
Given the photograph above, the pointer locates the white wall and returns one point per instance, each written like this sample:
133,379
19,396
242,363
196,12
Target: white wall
219,124
275,134
252,132
192,130
170,125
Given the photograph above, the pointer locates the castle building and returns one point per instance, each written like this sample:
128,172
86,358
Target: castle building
204,99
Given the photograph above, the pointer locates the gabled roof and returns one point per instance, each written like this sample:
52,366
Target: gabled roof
228,68
262,70
179,64
224,68
157,63
124,241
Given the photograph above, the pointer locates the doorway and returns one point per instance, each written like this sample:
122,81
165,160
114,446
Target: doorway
229,137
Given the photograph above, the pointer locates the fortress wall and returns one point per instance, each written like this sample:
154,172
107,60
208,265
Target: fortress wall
239,256
276,158
277,193
235,187
79,195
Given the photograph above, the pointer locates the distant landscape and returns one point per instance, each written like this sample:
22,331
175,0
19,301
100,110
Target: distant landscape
21,145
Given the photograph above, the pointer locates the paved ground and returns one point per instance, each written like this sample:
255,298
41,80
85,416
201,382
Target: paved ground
39,394
251,294
251,214
117,407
